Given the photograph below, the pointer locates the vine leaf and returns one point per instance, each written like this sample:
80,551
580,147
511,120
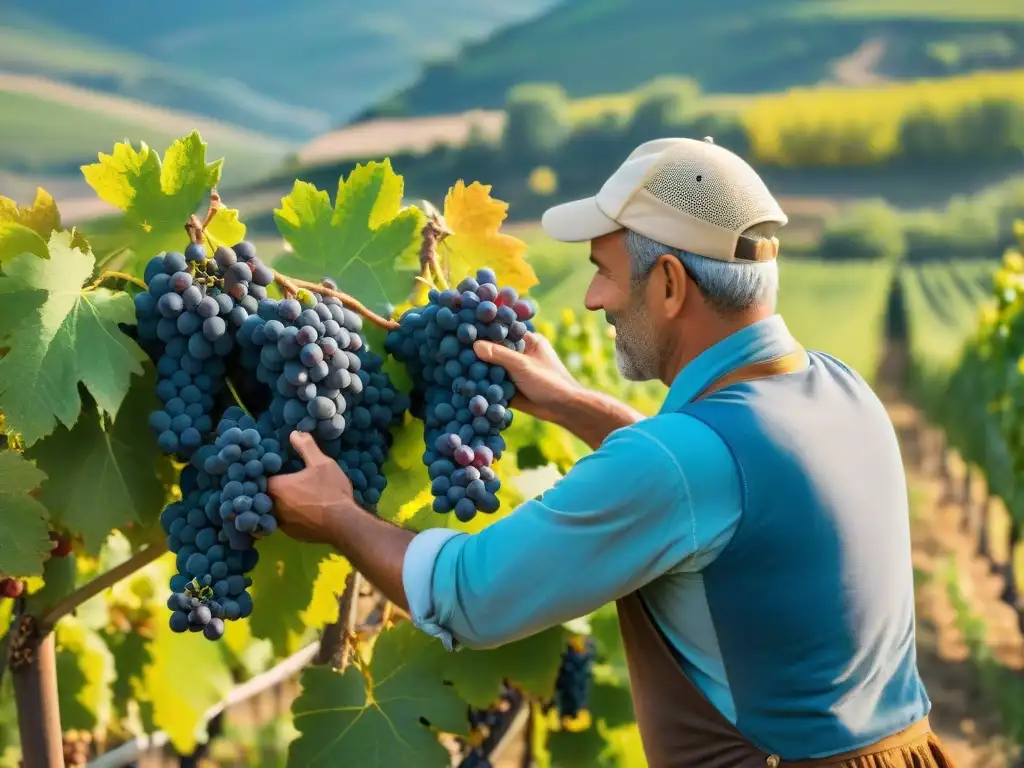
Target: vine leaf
224,229
585,749
60,335
474,218
330,583
531,664
157,196
375,721
179,698
27,229
611,704
102,473
24,538
361,242
283,588
85,675
604,624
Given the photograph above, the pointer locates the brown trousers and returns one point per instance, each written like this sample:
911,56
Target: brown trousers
680,728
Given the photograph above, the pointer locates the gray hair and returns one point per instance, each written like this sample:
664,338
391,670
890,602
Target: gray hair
727,286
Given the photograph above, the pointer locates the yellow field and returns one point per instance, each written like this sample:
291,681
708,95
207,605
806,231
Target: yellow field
870,115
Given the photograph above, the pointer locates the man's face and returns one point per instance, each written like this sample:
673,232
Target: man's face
637,351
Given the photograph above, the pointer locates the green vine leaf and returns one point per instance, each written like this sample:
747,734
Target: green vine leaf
361,242
376,721
604,623
85,676
157,196
60,335
24,537
283,582
99,459
179,696
577,750
531,664
27,229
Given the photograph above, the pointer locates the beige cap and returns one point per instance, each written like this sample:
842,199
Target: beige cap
689,194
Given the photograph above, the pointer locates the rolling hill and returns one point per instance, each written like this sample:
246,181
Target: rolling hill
49,128
592,47
289,69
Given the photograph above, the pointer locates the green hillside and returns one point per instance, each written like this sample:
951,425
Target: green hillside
734,46
55,131
293,69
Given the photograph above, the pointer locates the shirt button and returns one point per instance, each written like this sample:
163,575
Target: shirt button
773,761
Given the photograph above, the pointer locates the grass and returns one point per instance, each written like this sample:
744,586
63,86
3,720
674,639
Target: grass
50,133
837,309
942,303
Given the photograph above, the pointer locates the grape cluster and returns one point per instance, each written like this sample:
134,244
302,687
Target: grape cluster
184,320
224,509
572,687
488,726
77,747
325,381
305,367
462,400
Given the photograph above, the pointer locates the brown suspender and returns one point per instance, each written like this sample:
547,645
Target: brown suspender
788,363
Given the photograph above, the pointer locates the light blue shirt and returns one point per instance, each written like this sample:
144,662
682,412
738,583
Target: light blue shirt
649,509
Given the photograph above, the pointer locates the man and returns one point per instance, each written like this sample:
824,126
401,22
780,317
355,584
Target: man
754,533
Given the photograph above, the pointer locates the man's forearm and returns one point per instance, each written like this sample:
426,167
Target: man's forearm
375,548
592,416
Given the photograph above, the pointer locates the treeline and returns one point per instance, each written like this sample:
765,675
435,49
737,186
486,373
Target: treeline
967,228
548,147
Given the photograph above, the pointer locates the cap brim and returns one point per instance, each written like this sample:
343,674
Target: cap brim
577,221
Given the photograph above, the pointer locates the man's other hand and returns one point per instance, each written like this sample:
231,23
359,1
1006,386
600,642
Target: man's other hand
310,504
543,384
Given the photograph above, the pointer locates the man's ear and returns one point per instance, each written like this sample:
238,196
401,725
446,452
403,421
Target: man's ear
674,283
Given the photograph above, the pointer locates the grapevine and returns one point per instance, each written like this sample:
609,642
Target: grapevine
138,484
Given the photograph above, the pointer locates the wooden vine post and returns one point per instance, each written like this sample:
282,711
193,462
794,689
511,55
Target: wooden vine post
32,659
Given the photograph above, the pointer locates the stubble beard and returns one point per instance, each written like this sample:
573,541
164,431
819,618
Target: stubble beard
636,348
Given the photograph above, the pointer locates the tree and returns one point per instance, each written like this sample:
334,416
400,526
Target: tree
536,122
663,104
870,230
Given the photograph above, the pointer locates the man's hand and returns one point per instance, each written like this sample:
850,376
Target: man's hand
310,504
543,384
546,389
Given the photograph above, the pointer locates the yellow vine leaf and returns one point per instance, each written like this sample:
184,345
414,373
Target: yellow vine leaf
225,229
474,218
329,584
27,229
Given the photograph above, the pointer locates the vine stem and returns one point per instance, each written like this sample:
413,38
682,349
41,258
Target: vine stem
433,233
292,285
97,585
337,640
111,274
236,396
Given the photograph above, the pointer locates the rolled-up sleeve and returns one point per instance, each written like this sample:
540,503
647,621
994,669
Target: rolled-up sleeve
620,518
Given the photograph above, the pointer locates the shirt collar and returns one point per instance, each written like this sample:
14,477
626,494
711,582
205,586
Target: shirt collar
763,340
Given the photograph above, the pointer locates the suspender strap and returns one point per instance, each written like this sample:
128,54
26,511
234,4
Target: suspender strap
789,363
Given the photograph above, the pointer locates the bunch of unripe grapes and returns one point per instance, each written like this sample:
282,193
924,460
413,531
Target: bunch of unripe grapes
77,747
